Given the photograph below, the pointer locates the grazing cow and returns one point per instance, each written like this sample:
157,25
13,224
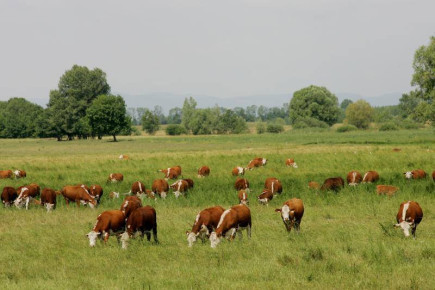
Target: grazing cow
5,174
232,221
48,198
78,194
241,183
110,222
149,193
129,204
138,188
238,171
96,191
353,178
313,185
397,149
292,212
243,197
415,174
9,195
265,196
333,183
189,182
386,189
26,194
20,173
161,187
409,216
171,172
273,184
370,176
206,221
291,163
256,162
115,177
203,171
142,220
125,157
180,187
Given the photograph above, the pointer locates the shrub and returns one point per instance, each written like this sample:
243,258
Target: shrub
275,128
388,127
261,128
346,128
409,124
175,129
308,122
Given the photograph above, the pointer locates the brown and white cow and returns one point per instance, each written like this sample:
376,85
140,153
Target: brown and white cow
256,162
333,183
370,176
78,194
142,220
232,221
115,177
6,174
9,195
171,172
180,187
124,157
206,221
26,194
138,188
48,198
20,173
96,191
203,171
415,174
292,212
241,183
386,189
130,204
243,197
265,196
110,222
354,178
161,187
189,182
409,216
291,163
238,171
313,185
273,184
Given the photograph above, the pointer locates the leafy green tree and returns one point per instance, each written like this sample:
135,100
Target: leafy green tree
158,111
314,102
345,103
229,122
174,116
107,116
188,111
359,114
251,113
18,118
150,122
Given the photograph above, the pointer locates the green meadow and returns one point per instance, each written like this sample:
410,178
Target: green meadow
347,240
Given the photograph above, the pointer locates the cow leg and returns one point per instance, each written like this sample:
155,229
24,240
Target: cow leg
148,236
414,228
248,230
78,202
106,236
27,202
155,234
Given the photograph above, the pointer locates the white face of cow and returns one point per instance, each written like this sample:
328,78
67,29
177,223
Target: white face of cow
264,161
17,173
294,165
408,175
406,226
241,170
191,238
49,206
92,238
124,240
285,213
214,240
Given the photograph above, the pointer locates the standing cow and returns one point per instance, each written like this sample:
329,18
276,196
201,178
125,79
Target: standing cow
9,195
96,191
203,171
110,222
206,221
292,212
415,174
409,216
265,196
26,194
256,162
138,188
370,176
115,177
161,187
142,220
130,204
20,173
180,187
5,174
48,198
79,195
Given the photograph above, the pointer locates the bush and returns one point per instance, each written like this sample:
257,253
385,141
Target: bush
409,124
175,129
308,122
388,127
275,128
261,128
346,128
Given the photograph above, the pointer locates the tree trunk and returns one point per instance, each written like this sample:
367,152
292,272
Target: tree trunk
59,138
114,138
100,137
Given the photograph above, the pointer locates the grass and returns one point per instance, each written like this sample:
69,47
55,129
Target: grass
346,241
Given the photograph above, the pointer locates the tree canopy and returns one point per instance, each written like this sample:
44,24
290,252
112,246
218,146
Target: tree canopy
359,114
150,122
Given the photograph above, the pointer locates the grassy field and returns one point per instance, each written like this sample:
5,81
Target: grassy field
346,240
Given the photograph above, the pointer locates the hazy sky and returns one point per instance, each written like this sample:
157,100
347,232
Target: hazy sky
216,48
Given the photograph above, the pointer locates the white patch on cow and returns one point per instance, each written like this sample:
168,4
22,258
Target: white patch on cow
365,176
121,156
49,206
264,161
179,185
93,187
240,169
140,186
17,173
294,165
263,200
191,238
124,240
92,238
214,240
273,183
244,195
285,213
224,214
163,194
177,194
110,176
167,174
91,205
405,209
408,175
197,218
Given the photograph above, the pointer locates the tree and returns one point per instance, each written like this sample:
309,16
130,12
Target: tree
345,103
107,116
314,102
174,116
150,122
18,118
359,114
188,111
158,111
251,113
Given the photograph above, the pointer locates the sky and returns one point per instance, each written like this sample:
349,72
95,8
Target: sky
224,49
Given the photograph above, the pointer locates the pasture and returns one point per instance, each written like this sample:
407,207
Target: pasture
347,239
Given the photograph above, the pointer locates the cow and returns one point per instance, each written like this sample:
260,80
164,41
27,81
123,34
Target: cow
5,174
96,191
370,176
396,149
354,177
171,172
292,212
333,183
20,173
415,174
161,187
110,222
256,162
386,189
409,216
241,183
48,198
180,187
265,196
206,221
142,220
189,182
26,194
130,204
115,177
313,185
238,171
203,171
78,194
291,163
273,184
232,221
9,195
243,197
123,157
138,188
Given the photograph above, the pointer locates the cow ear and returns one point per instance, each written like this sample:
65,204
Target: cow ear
278,210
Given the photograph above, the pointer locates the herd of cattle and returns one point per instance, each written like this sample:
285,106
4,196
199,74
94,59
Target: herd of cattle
213,223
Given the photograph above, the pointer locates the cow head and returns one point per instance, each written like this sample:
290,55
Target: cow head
92,236
191,238
408,174
124,240
405,226
287,216
264,161
17,173
214,240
